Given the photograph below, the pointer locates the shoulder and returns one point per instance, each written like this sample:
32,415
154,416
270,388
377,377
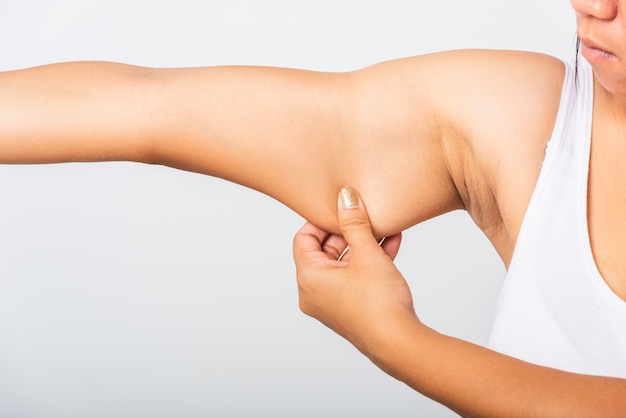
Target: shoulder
473,71
498,100
482,84
476,94
497,110
508,115
486,114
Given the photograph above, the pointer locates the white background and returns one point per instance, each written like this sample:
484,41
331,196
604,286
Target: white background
137,291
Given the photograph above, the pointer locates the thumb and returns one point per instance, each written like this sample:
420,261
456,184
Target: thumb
353,220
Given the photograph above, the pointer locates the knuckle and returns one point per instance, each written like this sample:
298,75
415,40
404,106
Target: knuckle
354,222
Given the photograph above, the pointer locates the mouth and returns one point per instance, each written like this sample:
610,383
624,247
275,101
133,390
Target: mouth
594,52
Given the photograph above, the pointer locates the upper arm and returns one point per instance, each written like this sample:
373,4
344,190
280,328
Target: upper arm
415,136
397,156
299,136
460,129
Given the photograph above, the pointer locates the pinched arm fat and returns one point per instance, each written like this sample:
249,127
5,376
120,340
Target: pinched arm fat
295,135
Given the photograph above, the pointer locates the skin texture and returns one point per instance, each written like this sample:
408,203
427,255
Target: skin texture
602,29
407,133
366,300
417,137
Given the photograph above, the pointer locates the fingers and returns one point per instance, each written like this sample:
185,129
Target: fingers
314,244
334,246
308,239
354,221
391,245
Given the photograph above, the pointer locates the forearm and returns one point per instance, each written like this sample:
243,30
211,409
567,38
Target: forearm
475,381
86,111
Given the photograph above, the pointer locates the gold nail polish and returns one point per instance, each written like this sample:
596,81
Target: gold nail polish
349,197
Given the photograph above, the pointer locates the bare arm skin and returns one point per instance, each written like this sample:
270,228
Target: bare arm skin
417,136
299,135
294,135
365,299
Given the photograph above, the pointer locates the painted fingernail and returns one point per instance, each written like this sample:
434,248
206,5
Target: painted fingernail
349,197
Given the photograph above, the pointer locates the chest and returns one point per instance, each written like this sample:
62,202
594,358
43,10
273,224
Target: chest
606,202
604,226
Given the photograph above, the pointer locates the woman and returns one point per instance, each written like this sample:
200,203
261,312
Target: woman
418,137
544,316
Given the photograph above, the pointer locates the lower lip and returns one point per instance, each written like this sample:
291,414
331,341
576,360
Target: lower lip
595,54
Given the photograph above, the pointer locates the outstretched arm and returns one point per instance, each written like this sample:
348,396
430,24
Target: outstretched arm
365,299
294,135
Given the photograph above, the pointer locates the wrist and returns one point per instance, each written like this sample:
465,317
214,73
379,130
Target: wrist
390,336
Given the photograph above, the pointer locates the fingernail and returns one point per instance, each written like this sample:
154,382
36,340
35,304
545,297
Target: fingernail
349,197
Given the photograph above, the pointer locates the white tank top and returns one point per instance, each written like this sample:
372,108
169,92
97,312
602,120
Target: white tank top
555,309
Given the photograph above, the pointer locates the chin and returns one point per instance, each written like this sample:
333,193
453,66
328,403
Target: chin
613,80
